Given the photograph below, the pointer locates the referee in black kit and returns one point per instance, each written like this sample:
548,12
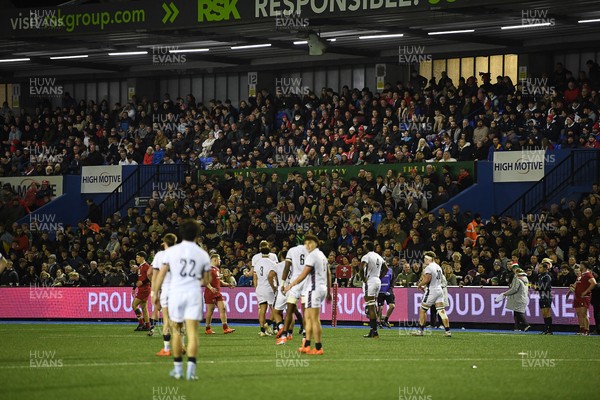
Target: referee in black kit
544,288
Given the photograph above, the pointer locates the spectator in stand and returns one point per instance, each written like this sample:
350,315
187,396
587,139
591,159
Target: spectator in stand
245,279
407,277
9,276
149,156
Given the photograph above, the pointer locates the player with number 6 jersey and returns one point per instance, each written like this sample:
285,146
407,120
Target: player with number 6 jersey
317,288
294,265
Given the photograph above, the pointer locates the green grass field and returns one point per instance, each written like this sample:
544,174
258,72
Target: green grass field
112,362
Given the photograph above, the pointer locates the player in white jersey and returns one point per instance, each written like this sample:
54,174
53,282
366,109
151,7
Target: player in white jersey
445,291
279,302
431,283
373,268
188,264
264,292
255,259
317,288
294,265
258,256
168,240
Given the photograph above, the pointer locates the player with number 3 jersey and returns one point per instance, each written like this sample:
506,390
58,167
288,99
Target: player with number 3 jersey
264,292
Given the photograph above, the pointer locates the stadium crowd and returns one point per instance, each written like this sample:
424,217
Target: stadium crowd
411,122
237,213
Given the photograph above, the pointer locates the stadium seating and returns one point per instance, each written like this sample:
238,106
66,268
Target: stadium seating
366,167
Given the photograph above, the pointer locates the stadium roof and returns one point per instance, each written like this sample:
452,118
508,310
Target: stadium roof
175,24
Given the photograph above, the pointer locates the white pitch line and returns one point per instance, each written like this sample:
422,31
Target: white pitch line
5,331
320,359
79,336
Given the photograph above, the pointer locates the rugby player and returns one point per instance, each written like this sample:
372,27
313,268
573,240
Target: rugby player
544,288
275,279
213,297
581,303
168,240
263,246
143,292
386,295
188,264
264,292
315,292
431,284
373,268
294,265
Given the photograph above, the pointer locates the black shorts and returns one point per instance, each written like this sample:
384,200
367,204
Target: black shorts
545,302
389,298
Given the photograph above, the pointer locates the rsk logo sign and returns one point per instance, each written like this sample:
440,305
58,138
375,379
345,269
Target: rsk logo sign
217,10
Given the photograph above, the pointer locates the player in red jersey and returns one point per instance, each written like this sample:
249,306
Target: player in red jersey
583,294
143,292
213,297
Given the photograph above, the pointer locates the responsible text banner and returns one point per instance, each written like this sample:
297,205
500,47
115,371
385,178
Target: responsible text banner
112,17
519,166
103,179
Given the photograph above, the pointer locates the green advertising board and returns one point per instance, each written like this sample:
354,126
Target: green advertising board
348,171
151,15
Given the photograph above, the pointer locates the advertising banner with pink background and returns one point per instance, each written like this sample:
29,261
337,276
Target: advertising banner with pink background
467,304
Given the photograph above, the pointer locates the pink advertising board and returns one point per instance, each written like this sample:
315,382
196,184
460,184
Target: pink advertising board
466,304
